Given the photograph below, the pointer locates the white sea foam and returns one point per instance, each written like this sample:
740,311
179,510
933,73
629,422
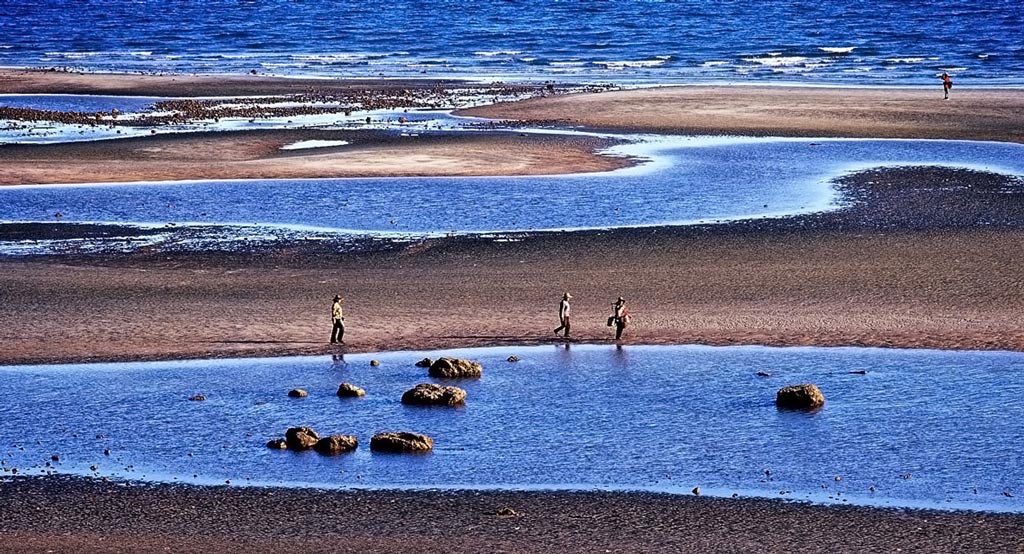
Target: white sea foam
778,61
567,64
635,63
837,49
714,63
303,144
904,60
492,53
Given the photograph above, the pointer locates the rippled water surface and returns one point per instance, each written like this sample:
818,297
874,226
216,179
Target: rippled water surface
924,428
690,180
800,41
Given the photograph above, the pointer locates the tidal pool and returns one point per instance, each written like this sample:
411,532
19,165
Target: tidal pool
923,428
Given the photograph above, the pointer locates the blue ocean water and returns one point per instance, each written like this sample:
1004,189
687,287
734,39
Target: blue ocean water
804,41
919,428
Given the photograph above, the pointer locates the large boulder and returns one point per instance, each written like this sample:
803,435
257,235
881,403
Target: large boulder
401,443
800,397
429,394
348,390
336,444
452,368
301,438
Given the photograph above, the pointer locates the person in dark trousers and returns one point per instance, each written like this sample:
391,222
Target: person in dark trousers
563,314
947,84
619,317
338,317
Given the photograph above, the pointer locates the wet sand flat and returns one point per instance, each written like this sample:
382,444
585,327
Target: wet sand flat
975,114
258,155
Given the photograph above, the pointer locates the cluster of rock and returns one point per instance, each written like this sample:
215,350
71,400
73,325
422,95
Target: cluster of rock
423,394
305,438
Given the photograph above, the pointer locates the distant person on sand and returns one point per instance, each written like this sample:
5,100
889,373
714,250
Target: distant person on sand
563,314
338,317
619,317
947,84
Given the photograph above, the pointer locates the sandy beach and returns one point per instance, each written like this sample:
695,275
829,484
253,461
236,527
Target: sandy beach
921,258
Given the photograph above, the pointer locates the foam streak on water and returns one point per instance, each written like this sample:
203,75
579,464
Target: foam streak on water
924,428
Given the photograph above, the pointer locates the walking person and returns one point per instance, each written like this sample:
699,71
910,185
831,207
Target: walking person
563,314
338,317
619,317
947,84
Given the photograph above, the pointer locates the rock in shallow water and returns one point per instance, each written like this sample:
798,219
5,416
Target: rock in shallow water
425,362
298,393
277,444
429,394
336,444
453,368
401,443
800,397
301,438
348,390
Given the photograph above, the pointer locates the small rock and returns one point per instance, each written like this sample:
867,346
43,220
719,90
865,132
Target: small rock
425,362
859,372
348,390
763,374
298,393
336,444
696,491
277,444
907,476
513,358
838,478
800,397
401,443
55,458
506,512
375,363
197,398
871,488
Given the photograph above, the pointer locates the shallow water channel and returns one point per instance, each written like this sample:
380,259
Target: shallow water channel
685,180
924,428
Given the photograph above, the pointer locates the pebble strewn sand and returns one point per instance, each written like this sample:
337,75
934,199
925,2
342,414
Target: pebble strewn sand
79,515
